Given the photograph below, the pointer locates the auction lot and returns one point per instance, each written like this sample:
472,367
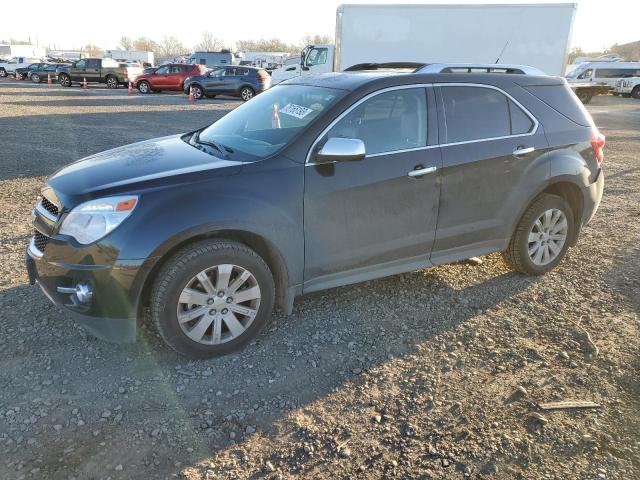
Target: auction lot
431,374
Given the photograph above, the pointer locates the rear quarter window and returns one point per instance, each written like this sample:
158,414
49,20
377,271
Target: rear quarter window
563,101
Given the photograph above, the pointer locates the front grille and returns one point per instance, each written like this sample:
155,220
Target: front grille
40,241
49,207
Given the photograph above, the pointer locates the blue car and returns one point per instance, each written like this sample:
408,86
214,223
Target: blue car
243,82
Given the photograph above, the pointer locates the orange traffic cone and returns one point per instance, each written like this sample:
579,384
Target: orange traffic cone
191,98
130,89
49,82
84,83
18,77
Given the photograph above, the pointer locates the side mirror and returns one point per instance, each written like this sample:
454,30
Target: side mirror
338,149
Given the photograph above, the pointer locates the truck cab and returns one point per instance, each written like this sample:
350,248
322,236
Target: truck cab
314,59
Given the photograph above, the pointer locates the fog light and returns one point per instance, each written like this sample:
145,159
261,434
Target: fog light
82,291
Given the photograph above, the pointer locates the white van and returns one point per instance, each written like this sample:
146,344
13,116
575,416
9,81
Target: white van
603,73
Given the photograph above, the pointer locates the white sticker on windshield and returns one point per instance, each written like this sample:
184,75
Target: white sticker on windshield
295,110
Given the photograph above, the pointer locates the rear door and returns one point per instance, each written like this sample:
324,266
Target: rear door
369,218
492,154
92,70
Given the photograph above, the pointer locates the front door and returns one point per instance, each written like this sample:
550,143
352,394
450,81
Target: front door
493,162
374,217
159,78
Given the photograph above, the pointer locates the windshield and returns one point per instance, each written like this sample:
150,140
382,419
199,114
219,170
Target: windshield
269,121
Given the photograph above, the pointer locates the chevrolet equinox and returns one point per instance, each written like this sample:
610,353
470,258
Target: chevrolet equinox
318,182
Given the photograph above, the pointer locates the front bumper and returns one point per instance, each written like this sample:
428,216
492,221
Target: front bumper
110,314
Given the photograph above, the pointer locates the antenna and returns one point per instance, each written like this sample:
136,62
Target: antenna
502,51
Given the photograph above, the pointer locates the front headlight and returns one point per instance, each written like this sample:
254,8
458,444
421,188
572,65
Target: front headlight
90,221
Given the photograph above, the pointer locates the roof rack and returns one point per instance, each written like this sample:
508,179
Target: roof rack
412,66
480,68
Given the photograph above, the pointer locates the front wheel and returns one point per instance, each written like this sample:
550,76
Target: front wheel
635,93
212,297
542,237
144,87
64,80
247,93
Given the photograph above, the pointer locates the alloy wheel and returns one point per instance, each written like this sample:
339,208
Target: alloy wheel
547,236
112,82
143,87
218,304
246,94
35,78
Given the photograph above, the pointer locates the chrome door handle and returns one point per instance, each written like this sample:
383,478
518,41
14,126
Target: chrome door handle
520,151
421,171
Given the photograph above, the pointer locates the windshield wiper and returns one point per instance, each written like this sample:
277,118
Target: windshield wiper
210,143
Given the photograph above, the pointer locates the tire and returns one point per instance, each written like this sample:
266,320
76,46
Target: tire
180,277
35,78
521,254
197,90
635,93
144,87
247,93
111,81
3,73
64,80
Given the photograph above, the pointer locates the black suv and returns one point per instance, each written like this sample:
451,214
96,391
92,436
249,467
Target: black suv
318,182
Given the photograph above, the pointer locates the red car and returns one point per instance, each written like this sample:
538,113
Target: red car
167,77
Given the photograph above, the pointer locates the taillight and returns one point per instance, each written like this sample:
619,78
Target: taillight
597,143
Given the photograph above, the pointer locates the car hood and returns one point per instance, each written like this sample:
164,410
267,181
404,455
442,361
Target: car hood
140,165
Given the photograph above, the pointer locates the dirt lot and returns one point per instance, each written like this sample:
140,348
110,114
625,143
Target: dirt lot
431,374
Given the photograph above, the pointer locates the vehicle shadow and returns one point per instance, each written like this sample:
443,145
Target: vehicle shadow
328,341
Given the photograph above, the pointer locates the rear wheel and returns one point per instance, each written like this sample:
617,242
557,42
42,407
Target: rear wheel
3,73
211,298
144,87
64,80
635,93
542,237
247,93
112,82
35,78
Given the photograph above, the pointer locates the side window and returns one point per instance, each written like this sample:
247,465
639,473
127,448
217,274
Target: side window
81,64
203,61
317,56
230,72
520,122
162,71
474,113
175,69
390,121
93,64
586,74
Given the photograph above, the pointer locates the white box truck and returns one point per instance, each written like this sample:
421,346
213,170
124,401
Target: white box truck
139,56
12,51
528,34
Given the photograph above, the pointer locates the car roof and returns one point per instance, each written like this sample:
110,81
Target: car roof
351,81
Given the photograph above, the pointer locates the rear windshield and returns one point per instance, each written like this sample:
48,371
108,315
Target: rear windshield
562,99
269,121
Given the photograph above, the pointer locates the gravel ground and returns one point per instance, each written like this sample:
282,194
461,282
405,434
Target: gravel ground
431,374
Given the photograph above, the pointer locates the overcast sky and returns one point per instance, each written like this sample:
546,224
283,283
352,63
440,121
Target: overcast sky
69,25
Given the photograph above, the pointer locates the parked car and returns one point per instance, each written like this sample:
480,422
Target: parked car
38,72
317,182
22,73
243,82
167,77
9,67
629,87
98,70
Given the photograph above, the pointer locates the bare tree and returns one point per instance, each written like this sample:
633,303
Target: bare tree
316,40
266,45
145,44
92,50
170,47
126,43
209,43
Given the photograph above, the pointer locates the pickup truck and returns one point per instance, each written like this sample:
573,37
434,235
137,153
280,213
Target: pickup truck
9,67
97,70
